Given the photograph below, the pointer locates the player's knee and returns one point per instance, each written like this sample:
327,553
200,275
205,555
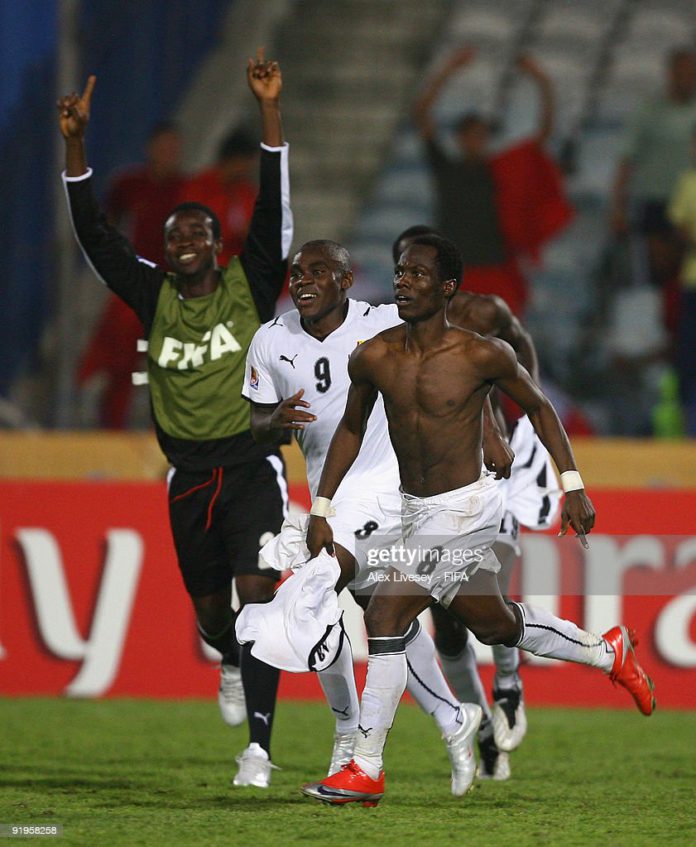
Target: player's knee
450,634
257,594
212,615
381,623
255,590
495,632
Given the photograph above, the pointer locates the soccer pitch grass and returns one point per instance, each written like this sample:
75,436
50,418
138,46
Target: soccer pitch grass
124,772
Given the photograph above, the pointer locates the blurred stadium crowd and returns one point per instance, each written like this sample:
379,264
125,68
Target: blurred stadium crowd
611,297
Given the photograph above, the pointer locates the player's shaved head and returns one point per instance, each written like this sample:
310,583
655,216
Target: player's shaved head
336,252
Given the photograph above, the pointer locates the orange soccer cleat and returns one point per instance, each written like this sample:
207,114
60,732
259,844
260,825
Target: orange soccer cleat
350,785
626,670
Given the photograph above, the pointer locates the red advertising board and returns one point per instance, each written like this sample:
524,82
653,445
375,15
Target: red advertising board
92,604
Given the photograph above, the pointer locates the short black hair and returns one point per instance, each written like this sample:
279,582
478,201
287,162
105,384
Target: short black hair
239,142
192,206
336,251
162,128
411,232
469,120
449,262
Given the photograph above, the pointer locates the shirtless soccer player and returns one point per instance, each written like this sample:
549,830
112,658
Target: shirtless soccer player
297,379
433,378
532,500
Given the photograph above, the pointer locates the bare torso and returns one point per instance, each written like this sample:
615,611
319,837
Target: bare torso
433,400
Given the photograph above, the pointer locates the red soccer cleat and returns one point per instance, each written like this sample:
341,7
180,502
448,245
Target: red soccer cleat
626,670
349,785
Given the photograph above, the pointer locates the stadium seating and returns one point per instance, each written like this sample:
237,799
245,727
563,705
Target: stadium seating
604,56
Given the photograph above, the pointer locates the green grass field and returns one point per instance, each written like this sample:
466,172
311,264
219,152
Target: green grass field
150,773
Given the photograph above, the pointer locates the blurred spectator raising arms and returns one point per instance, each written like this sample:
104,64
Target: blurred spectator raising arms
682,213
137,202
655,153
229,188
497,208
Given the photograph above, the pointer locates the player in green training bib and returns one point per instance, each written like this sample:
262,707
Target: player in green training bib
227,494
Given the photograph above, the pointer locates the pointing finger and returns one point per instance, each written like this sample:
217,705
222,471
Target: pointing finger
564,524
89,88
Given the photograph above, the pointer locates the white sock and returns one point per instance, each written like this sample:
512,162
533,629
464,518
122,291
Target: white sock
507,663
462,673
385,683
546,635
426,683
338,684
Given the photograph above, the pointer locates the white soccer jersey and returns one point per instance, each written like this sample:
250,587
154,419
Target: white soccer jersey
283,358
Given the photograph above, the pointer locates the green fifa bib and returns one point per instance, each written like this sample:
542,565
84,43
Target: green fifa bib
196,358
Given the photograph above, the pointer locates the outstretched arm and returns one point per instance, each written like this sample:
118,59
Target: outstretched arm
343,451
496,363
266,82
73,118
110,254
423,109
529,66
268,241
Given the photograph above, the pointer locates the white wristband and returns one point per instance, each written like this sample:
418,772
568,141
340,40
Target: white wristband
571,481
322,508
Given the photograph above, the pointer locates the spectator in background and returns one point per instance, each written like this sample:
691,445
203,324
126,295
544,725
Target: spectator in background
497,208
682,213
137,202
655,152
229,188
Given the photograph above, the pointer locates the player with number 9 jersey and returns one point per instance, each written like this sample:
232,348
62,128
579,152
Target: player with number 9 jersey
283,359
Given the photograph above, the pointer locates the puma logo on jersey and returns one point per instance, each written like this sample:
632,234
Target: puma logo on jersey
215,343
290,361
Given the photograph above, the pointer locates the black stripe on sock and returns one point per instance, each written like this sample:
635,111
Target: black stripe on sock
454,706
563,635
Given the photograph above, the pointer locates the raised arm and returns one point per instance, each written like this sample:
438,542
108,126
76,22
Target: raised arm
271,229
423,108
547,110
73,118
110,254
343,451
266,82
496,363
